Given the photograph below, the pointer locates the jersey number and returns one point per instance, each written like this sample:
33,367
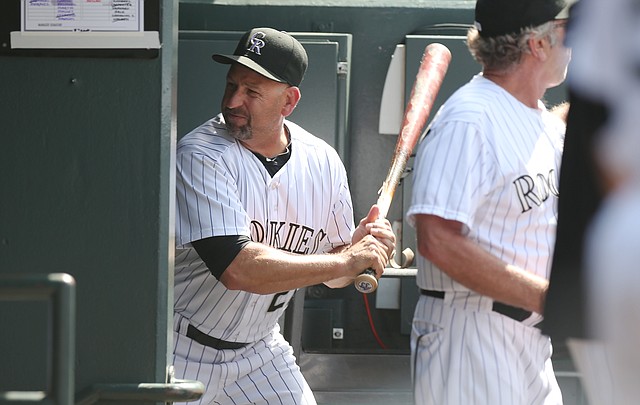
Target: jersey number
275,304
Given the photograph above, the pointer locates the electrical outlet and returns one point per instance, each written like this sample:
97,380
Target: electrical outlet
338,333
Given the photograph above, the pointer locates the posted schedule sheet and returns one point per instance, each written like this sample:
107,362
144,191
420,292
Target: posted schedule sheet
82,15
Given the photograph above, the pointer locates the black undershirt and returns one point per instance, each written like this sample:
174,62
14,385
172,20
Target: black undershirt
274,164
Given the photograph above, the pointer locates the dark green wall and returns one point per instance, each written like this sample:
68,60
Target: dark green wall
87,189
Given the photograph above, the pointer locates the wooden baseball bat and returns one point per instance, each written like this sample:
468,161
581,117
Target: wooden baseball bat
433,67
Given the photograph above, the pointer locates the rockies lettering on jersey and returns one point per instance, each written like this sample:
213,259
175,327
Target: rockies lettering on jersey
536,192
294,238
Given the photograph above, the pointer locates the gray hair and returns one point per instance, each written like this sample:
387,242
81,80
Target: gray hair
504,52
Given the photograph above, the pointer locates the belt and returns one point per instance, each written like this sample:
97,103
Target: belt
210,341
515,313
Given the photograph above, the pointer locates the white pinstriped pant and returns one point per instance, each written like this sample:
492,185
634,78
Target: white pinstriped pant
478,357
261,373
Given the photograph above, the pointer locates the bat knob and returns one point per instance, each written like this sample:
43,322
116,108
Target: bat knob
366,282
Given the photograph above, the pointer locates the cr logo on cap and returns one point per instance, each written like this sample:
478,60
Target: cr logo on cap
256,42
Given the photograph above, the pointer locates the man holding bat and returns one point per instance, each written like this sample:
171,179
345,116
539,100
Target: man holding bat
263,208
484,208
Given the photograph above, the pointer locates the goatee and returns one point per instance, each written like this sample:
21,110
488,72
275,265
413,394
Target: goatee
240,133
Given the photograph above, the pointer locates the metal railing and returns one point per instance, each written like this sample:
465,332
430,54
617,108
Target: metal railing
59,290
178,391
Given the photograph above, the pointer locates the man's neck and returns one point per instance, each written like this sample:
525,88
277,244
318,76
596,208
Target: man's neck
520,83
269,147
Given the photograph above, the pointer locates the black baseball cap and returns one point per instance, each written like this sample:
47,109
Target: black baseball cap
272,53
501,17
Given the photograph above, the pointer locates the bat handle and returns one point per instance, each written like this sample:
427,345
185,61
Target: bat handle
366,281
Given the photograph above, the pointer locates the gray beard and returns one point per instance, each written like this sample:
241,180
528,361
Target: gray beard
241,133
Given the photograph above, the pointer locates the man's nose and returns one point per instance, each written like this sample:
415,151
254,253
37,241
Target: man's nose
234,98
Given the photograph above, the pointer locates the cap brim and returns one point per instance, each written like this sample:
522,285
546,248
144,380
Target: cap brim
564,13
247,62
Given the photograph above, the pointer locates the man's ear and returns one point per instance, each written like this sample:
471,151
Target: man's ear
539,47
293,96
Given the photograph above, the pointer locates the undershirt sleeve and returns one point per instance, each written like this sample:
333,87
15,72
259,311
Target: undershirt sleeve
218,252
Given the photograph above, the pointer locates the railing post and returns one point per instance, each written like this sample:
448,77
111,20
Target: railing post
64,321
58,289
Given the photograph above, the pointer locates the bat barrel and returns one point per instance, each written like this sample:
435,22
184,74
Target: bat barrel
433,67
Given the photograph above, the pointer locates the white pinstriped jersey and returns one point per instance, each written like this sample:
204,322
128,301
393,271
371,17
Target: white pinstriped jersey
491,163
223,189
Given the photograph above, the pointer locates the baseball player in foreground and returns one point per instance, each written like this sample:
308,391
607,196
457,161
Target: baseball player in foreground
263,208
484,208
605,69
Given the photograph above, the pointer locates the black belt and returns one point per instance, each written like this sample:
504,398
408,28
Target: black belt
210,341
515,313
